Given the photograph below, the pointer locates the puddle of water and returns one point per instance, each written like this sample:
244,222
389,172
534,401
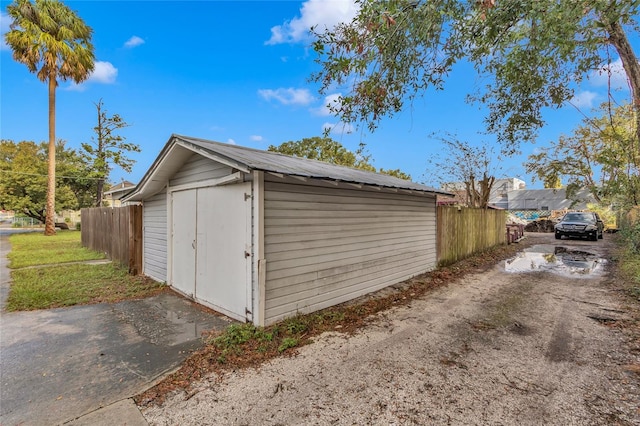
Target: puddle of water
168,320
557,260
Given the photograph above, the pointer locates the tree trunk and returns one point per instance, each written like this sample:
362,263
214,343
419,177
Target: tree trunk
618,39
100,154
49,225
39,215
99,192
485,190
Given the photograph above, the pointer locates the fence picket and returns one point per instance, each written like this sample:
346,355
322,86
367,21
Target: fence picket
465,231
116,232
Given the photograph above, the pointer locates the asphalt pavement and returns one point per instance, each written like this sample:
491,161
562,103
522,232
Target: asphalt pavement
81,364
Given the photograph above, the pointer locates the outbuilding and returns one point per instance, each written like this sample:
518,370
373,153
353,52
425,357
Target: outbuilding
260,236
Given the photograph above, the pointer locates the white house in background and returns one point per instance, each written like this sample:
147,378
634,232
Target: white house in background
498,197
548,199
113,196
260,236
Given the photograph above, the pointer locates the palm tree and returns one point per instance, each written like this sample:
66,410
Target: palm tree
53,42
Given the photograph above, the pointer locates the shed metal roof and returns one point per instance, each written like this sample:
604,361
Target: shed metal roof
246,159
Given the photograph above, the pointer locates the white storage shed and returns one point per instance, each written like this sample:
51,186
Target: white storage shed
260,236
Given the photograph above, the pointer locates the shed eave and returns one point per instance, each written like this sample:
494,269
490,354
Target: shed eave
414,188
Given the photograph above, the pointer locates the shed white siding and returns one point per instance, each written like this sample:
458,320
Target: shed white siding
328,244
154,237
199,168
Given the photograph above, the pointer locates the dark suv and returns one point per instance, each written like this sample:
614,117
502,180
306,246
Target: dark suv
580,224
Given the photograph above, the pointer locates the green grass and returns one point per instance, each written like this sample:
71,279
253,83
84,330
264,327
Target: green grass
630,266
36,249
629,258
67,285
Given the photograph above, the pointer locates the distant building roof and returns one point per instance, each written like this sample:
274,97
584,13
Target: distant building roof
119,190
125,185
179,148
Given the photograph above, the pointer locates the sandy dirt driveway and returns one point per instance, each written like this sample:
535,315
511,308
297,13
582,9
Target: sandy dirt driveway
529,342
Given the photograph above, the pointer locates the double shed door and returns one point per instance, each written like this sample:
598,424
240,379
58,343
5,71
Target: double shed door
211,234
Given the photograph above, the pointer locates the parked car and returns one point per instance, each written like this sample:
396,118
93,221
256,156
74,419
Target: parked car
580,224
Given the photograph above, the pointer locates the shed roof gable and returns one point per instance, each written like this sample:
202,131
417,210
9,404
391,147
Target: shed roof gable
246,159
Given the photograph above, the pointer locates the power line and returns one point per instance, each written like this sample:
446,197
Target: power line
41,175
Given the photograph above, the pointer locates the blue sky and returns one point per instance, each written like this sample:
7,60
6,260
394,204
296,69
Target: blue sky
238,72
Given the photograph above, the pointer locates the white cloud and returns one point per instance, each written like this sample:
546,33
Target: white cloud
256,138
288,96
338,129
231,141
321,13
133,42
614,72
5,21
331,100
104,72
584,99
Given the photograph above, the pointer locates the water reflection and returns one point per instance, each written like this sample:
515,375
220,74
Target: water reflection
558,260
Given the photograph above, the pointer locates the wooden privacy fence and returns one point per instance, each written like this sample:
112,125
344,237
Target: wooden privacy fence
464,231
116,232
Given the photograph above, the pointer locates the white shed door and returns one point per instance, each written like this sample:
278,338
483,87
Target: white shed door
183,258
223,248
211,261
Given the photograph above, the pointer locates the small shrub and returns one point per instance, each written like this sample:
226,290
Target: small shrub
264,336
287,343
78,228
296,325
235,334
631,235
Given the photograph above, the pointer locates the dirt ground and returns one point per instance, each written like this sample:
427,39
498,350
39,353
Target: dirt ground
532,341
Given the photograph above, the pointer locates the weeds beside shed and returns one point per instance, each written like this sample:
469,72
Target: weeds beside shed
260,236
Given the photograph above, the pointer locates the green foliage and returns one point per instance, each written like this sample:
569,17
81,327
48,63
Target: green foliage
23,178
631,235
601,155
295,325
607,215
327,150
629,256
235,334
287,343
317,148
107,148
529,53
239,339
51,40
395,173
